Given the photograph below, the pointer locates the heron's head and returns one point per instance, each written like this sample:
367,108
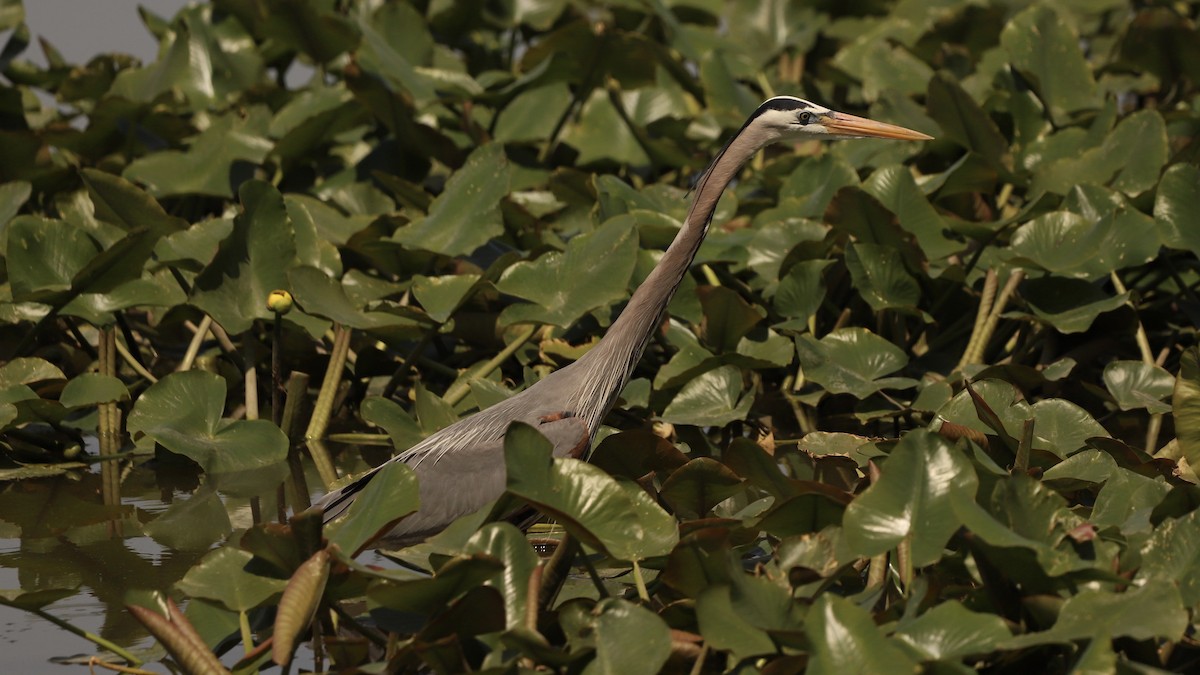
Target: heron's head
787,118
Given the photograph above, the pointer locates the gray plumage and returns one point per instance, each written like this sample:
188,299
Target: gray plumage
461,469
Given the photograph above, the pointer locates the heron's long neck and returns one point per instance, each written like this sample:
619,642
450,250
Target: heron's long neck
610,363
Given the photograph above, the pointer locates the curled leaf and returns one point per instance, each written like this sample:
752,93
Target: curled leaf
299,604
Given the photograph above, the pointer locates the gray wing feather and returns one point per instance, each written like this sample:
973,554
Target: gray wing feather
458,480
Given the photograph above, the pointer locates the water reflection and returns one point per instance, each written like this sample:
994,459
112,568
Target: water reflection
59,533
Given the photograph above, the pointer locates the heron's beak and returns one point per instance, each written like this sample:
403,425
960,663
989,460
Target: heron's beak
849,126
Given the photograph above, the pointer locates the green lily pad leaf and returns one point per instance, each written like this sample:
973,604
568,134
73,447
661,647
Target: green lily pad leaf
506,543
399,425
949,632
695,488
322,296
1129,159
433,412
852,361
1177,207
195,246
1000,397
428,596
776,232
593,272
618,624
1082,469
442,296
896,189
1139,385
1127,501
883,66
251,263
205,60
1045,49
217,162
28,370
774,352
966,123
533,113
1069,305
331,225
182,412
388,497
1099,233
12,197
1098,658
121,203
801,291
845,639
222,577
467,213
912,499
313,28
602,135
1062,427
1185,403
725,629
192,524
155,290
587,501
1151,611
727,317
713,399
805,513
1172,555
814,183
44,257
879,276
91,389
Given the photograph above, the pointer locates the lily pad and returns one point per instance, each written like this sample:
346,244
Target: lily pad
1139,385
561,287
852,361
182,412
912,500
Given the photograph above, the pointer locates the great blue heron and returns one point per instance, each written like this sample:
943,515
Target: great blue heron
460,469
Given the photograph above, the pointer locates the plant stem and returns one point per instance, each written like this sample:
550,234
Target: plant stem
193,349
1139,335
333,377
557,568
990,282
277,371
109,423
640,582
323,461
904,562
1021,463
244,627
1143,342
95,661
458,391
877,573
132,362
91,637
251,379
297,384
360,439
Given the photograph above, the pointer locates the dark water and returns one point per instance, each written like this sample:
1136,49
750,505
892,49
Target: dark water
56,533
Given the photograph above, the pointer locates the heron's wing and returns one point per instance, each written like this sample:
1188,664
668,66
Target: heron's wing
461,479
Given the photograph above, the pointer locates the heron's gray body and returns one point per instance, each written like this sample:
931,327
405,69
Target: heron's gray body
461,468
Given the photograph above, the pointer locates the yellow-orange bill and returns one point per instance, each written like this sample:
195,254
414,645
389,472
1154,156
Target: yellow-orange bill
841,124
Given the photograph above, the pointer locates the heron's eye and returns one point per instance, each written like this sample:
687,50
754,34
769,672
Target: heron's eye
805,117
